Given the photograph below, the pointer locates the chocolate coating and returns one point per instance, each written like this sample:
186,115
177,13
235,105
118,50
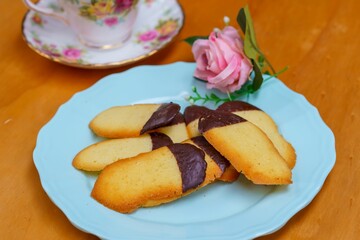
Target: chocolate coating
192,164
235,106
161,117
195,112
159,140
201,142
179,118
218,119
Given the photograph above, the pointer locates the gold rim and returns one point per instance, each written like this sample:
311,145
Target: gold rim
101,65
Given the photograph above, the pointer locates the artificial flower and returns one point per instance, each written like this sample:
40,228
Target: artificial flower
220,60
229,62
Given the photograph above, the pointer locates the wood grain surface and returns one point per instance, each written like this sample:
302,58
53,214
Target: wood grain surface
318,40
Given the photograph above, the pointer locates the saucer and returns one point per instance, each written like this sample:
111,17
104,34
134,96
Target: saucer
158,23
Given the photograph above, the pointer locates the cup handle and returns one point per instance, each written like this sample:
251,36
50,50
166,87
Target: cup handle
45,11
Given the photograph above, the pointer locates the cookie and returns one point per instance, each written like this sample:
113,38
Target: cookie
97,156
228,172
133,120
246,146
176,130
192,114
164,173
265,123
216,165
218,168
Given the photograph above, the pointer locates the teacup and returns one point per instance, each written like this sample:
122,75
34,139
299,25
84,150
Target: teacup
101,24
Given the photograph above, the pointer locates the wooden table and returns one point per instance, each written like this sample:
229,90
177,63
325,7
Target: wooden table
318,40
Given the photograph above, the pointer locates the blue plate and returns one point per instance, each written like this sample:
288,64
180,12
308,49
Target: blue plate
239,210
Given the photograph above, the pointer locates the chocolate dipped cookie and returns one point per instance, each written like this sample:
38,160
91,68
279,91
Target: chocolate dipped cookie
176,129
228,172
133,120
216,165
165,173
246,146
265,123
192,114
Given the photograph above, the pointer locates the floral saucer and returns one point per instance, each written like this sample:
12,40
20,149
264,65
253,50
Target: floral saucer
158,22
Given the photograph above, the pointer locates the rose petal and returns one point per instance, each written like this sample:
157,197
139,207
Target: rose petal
227,52
224,78
202,62
232,37
199,50
230,32
217,62
239,45
204,75
245,70
221,60
199,47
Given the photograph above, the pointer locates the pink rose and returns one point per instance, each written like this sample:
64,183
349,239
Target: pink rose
148,36
121,5
221,61
72,53
111,21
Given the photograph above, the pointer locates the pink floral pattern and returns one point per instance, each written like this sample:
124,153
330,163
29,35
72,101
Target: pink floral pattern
68,53
148,36
112,21
123,5
164,30
72,53
37,20
56,42
149,2
107,12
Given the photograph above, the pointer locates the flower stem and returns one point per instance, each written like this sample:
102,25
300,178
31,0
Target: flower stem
229,96
277,73
244,91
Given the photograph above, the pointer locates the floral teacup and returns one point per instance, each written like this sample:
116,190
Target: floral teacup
97,23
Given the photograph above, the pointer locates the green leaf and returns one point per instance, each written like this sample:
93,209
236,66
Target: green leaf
258,78
250,26
250,43
249,89
261,61
214,96
191,40
249,48
241,19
